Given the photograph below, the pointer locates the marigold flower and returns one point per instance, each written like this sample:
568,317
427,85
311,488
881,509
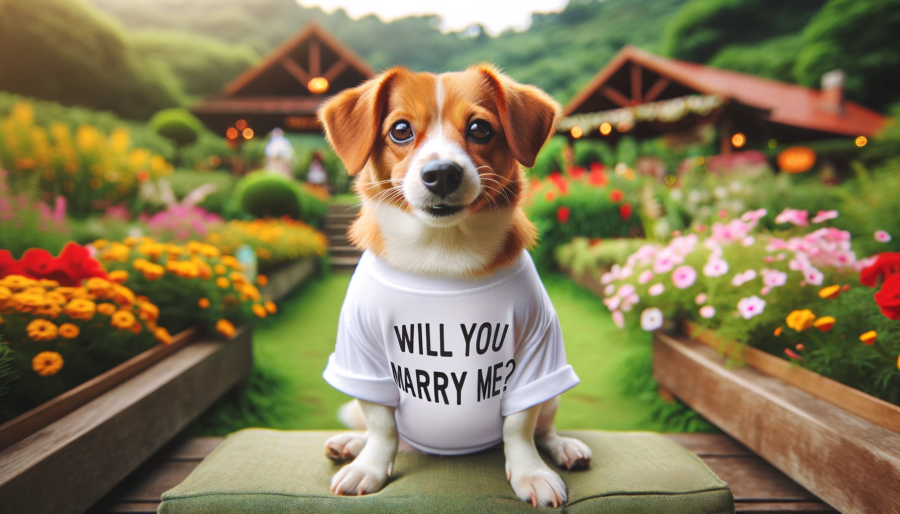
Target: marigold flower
107,309
259,310
80,308
231,262
830,292
225,327
222,282
118,276
869,337
47,283
122,295
100,244
5,293
203,303
56,297
220,269
249,292
41,330
262,280
16,282
162,335
47,363
777,331
148,311
130,241
122,319
69,331
825,323
98,286
800,320
153,271
271,307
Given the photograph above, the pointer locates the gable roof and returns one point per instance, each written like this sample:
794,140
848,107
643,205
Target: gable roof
786,104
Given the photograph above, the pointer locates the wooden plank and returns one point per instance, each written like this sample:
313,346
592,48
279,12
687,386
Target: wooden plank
286,279
194,448
710,445
656,89
868,407
69,465
296,70
753,479
334,70
615,96
849,462
636,86
315,58
787,507
30,422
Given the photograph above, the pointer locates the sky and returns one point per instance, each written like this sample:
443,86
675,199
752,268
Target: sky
495,15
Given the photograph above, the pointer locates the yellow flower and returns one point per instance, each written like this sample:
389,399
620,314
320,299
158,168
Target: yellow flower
130,241
869,337
148,312
259,310
203,303
47,283
41,330
122,319
16,282
107,309
5,293
48,310
119,276
800,320
122,295
238,278
80,308
231,262
262,280
225,327
98,286
162,335
100,244
47,363
187,269
249,292
220,269
153,271
116,252
56,297
222,282
69,331
825,323
271,307
830,292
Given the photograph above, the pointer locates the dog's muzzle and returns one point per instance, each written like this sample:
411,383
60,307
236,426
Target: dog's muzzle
442,177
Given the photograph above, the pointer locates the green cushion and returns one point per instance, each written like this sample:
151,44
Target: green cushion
256,471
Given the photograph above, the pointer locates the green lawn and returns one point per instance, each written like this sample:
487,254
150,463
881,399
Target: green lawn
291,349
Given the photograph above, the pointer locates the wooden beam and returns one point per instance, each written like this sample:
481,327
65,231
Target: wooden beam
296,70
657,88
315,58
616,97
635,83
335,70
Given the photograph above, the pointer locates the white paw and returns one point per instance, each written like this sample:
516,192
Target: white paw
344,447
357,479
568,453
538,486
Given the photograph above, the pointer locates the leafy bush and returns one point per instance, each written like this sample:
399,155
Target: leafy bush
275,241
177,125
551,158
595,256
267,194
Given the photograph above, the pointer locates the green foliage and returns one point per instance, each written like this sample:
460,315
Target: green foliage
7,372
26,223
858,37
589,151
581,256
177,125
773,58
551,158
267,194
63,50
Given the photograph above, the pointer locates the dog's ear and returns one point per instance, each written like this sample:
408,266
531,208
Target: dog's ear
528,115
352,119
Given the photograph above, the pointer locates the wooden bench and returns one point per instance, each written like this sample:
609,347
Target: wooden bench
757,486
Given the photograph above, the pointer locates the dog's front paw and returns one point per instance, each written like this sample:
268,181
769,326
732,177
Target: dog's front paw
344,447
568,452
358,479
539,486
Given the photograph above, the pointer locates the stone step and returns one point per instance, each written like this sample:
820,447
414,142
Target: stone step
344,251
340,216
344,263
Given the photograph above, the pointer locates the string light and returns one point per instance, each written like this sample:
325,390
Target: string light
231,133
247,133
738,140
861,141
605,129
773,143
576,132
241,124
317,85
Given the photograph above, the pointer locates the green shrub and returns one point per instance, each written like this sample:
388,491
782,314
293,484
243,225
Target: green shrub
550,158
177,125
265,194
589,151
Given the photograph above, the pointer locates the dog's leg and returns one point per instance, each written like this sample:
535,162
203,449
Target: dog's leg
345,447
529,477
369,472
566,452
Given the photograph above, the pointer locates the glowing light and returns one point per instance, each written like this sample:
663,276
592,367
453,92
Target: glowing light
317,85
773,143
605,129
861,141
670,179
738,140
796,159
576,132
623,126
231,133
241,124
247,133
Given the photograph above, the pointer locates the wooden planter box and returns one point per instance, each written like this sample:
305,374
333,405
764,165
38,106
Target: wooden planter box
288,277
839,443
68,453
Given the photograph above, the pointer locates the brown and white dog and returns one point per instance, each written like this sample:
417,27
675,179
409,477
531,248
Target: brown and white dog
439,162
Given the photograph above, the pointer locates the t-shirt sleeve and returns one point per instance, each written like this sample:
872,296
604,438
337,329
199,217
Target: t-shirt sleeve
358,367
541,368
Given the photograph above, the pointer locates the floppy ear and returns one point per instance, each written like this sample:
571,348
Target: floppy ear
528,115
352,120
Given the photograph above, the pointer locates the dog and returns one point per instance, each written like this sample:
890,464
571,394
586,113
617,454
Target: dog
447,338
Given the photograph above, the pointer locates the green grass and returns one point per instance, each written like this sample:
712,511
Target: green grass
287,391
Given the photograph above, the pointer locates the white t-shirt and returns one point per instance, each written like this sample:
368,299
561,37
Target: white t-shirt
453,355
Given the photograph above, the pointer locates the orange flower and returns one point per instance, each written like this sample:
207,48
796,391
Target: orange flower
16,282
119,276
777,331
148,311
123,296
100,244
107,309
5,293
271,307
800,320
80,308
122,319
98,286
152,271
41,330
47,363
162,335
259,310
222,282
830,292
220,269
69,331
262,280
825,323
203,303
869,337
225,327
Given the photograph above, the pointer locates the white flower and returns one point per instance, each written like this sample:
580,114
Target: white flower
656,289
748,241
715,268
701,299
707,311
651,319
751,306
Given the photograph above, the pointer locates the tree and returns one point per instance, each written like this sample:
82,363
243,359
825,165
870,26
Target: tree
773,58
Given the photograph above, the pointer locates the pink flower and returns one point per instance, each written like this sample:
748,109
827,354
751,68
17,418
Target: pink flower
825,215
707,311
625,291
813,276
666,260
765,290
881,236
629,302
748,241
651,319
742,278
612,303
723,213
774,278
645,276
684,277
625,272
715,268
656,289
618,319
788,215
701,299
754,215
751,306
609,289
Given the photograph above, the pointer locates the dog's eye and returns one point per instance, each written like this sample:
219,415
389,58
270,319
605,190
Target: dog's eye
480,131
401,132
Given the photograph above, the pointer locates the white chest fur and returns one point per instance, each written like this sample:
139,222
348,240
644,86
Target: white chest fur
456,251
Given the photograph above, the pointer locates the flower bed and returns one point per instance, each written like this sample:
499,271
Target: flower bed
275,241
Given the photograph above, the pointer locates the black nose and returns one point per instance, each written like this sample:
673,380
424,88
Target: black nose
442,177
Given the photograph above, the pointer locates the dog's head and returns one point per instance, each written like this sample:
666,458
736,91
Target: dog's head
440,147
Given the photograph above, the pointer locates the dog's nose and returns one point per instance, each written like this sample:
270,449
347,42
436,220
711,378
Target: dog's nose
442,177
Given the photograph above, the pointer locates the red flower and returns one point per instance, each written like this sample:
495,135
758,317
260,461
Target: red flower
884,266
596,167
10,266
560,183
550,196
39,263
889,297
625,211
562,214
577,172
76,264
615,196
